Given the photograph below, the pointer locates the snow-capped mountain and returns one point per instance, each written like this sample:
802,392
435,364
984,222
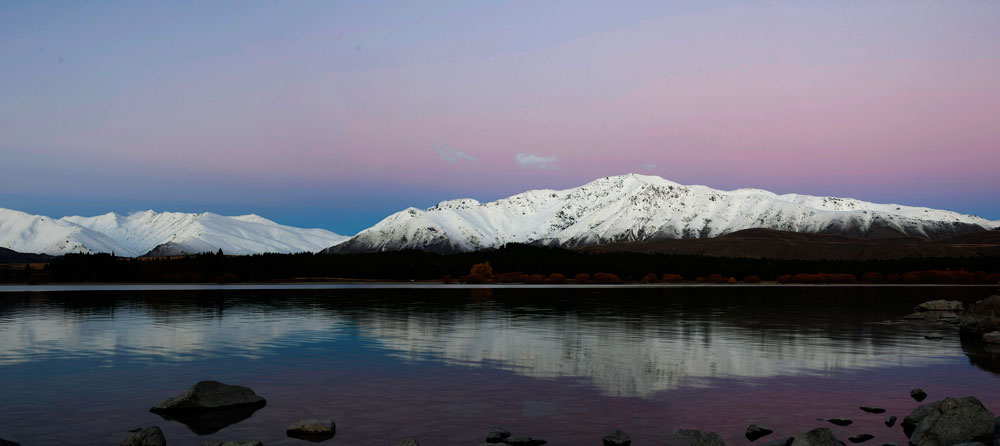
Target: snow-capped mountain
638,207
157,233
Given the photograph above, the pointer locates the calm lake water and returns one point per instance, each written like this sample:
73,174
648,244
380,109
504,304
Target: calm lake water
445,364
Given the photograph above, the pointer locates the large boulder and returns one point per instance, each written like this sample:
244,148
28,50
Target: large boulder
208,396
982,317
497,435
313,430
754,432
940,305
692,437
150,436
817,437
950,421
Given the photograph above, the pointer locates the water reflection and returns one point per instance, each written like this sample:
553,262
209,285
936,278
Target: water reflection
624,342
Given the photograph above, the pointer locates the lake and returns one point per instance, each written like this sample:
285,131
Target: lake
444,364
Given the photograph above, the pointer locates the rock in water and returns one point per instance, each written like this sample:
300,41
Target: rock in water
860,438
8,443
692,437
785,442
409,442
940,305
210,395
313,430
918,394
231,443
992,337
870,409
617,438
497,435
150,436
754,432
524,441
839,421
890,421
950,421
817,437
996,432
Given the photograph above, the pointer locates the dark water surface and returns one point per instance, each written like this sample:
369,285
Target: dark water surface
444,364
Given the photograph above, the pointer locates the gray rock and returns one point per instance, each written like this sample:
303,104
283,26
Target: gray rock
497,435
932,316
617,438
517,440
754,432
785,442
210,395
313,430
951,421
992,337
918,394
231,443
839,421
150,436
817,437
8,443
409,442
860,438
940,305
890,421
871,409
692,437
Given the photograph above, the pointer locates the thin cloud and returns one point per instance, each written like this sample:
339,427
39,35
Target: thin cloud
451,155
533,161
649,166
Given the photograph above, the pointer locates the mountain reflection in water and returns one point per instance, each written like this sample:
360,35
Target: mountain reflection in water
619,342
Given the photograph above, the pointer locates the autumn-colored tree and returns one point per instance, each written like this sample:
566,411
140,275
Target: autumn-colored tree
873,277
606,278
650,278
482,270
582,278
751,279
557,278
672,278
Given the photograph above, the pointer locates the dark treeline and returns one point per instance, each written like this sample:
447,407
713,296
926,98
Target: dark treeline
417,265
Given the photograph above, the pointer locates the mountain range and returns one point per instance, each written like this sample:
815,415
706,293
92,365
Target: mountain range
640,208
156,233
611,211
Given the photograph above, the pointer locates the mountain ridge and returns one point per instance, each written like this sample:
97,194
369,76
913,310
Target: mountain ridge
632,207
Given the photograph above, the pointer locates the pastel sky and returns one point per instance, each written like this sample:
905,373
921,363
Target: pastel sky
335,114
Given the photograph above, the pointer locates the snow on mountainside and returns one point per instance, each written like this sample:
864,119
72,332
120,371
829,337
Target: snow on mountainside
638,207
163,233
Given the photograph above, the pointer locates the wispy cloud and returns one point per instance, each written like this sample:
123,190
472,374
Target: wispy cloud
451,155
648,166
533,161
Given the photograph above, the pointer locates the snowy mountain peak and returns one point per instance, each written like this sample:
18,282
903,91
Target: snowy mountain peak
636,207
143,232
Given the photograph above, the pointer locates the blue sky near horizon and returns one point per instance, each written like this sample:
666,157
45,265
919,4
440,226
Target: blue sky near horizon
336,114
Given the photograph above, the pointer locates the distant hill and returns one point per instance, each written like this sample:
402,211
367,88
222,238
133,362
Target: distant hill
773,244
10,256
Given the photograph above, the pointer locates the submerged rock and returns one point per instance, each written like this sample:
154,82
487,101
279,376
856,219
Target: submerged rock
313,430
786,442
408,442
839,421
860,438
693,437
150,436
950,421
617,438
822,436
231,443
890,421
870,409
754,432
940,305
918,394
210,395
